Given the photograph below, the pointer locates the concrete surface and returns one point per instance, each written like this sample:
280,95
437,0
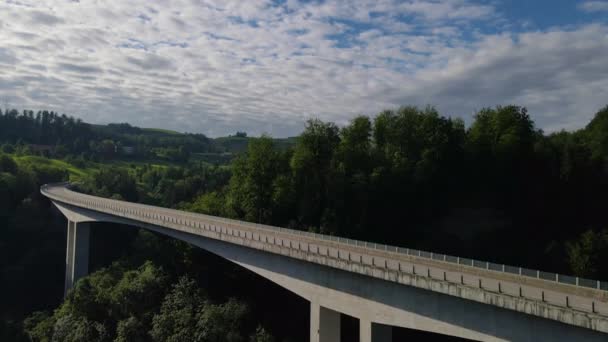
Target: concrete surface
77,253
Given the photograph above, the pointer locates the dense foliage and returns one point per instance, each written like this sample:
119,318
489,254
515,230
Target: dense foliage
414,178
24,213
124,302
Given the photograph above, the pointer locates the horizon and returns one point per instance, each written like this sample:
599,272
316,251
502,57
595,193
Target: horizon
268,66
297,134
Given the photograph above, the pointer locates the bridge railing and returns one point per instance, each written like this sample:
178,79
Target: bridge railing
485,265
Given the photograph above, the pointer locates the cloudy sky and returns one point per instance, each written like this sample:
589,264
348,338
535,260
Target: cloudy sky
216,67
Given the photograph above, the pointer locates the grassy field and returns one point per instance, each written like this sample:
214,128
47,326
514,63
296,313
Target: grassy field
36,161
86,169
78,173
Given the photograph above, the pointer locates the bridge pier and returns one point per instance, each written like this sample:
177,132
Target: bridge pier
324,324
373,332
77,253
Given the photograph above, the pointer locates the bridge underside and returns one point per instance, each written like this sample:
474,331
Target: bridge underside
378,304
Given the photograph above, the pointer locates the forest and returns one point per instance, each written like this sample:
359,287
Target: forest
499,189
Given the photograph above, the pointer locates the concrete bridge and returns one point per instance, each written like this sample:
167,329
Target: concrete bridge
383,286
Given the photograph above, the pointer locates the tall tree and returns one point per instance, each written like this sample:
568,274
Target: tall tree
251,187
311,166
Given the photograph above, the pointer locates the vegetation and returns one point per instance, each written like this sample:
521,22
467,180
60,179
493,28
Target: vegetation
59,136
24,213
414,178
500,190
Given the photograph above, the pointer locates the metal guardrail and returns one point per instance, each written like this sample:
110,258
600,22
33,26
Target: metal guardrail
520,271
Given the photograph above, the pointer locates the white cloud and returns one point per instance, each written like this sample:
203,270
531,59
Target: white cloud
594,6
220,66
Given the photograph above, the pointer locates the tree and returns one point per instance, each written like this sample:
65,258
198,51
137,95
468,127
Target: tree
597,132
587,254
138,291
219,323
261,335
178,316
186,315
501,152
251,187
71,328
131,330
39,326
350,190
211,203
311,166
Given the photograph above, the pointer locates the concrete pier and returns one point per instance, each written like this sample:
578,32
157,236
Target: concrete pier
77,253
324,324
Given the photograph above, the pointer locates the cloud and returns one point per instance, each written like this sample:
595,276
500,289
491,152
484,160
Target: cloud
449,10
42,18
594,6
7,56
81,69
149,62
265,66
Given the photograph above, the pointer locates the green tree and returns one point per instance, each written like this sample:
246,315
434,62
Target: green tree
311,166
179,313
587,254
261,335
223,322
350,188
138,291
186,315
71,328
131,330
251,186
597,132
211,203
39,326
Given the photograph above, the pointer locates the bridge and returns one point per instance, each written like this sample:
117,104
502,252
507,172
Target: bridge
382,286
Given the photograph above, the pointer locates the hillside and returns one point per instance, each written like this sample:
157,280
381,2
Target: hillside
50,134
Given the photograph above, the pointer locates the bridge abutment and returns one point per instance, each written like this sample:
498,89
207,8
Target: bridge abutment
77,253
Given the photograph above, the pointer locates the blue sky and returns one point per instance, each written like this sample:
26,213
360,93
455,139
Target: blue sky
544,14
266,66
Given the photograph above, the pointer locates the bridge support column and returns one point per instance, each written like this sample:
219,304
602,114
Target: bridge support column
372,332
77,253
324,324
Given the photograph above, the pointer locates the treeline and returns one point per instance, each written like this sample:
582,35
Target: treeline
500,190
51,134
44,128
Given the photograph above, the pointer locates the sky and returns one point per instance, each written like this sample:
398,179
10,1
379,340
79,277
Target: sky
262,66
